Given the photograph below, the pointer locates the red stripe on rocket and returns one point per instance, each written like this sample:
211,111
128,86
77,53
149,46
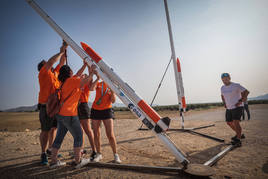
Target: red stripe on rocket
178,65
183,97
142,104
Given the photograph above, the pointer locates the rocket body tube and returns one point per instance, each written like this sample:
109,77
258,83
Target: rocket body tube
149,111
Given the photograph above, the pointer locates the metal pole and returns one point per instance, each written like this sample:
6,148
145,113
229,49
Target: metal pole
217,157
178,77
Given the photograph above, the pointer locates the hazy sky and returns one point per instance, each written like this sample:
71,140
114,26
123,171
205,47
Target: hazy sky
211,37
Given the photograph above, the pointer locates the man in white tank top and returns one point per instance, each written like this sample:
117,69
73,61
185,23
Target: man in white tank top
233,96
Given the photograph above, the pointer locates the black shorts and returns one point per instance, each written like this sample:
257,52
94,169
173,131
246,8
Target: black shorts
83,111
233,114
46,122
102,114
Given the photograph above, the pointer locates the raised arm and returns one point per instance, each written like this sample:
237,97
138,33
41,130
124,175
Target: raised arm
94,84
63,59
55,58
81,70
85,80
112,97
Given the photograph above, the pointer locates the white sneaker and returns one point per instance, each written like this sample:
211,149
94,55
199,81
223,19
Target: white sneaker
98,157
83,162
117,159
57,164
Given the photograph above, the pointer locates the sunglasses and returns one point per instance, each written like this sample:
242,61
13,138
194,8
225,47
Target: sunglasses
225,75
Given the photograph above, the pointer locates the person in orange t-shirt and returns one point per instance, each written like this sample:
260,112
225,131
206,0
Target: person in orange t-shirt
48,83
102,112
53,130
84,112
67,117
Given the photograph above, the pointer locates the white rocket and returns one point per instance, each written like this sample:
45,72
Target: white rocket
177,69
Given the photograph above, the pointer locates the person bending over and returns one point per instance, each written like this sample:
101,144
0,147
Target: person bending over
233,95
102,112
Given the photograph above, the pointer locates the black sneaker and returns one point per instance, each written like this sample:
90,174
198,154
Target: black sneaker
44,160
236,143
242,137
233,138
49,152
93,156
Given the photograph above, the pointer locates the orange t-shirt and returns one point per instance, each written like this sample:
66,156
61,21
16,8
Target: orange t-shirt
48,83
84,94
106,102
57,71
70,87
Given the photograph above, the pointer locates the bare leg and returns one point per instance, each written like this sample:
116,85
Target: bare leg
109,128
77,154
232,126
43,140
87,129
238,128
54,156
96,131
83,136
52,135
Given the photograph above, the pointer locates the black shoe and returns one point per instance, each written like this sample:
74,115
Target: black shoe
236,143
49,152
44,160
233,138
242,137
93,156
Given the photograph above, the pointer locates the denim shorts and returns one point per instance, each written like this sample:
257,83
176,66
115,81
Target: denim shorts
65,124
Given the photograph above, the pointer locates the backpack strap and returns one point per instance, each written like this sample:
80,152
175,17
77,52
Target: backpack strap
61,103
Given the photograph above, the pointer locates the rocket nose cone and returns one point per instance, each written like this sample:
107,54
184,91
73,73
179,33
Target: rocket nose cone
178,65
91,52
83,45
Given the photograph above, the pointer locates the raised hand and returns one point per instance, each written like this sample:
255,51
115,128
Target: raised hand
63,47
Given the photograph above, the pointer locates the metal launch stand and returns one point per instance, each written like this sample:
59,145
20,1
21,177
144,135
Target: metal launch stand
179,87
137,105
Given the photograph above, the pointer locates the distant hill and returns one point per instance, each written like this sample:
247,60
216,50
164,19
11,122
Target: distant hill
34,108
262,97
22,109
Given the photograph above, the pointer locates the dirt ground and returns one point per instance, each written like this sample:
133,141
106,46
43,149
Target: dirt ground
20,151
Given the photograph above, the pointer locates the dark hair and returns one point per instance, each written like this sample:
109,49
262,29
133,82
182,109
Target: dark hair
40,65
65,72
